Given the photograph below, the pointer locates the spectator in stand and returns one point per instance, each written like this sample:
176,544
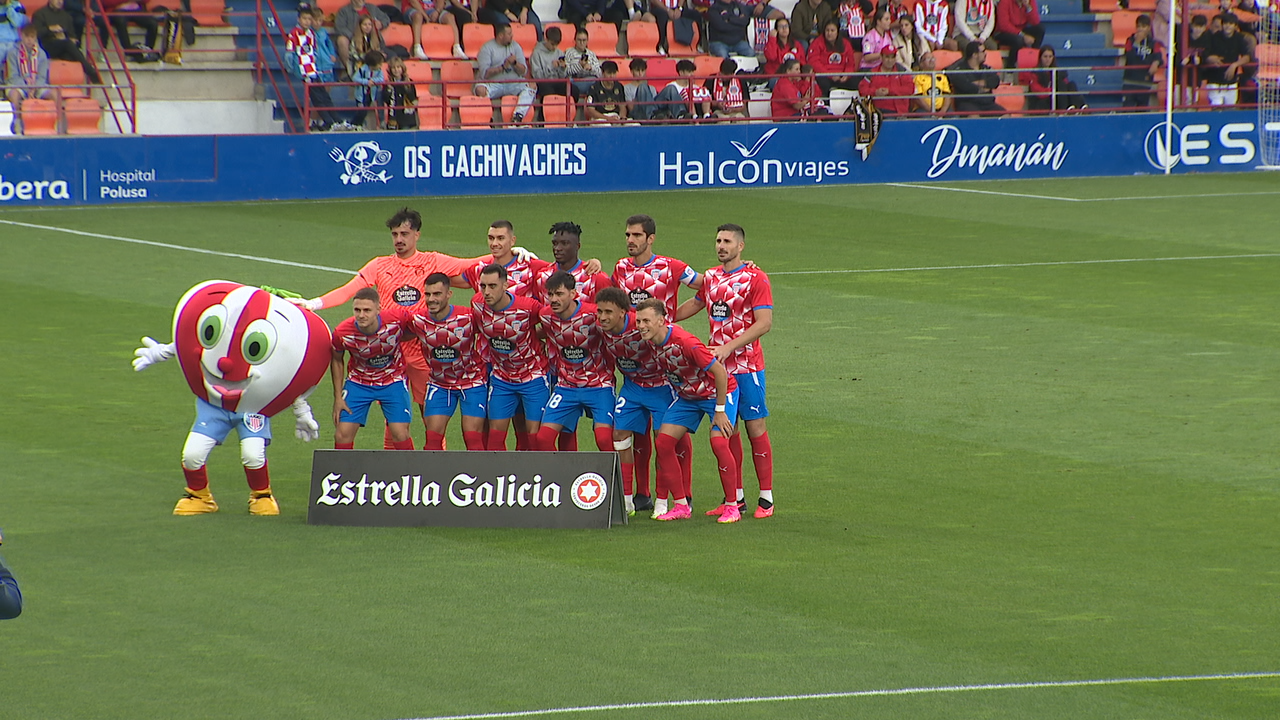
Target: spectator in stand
640,94
122,13
54,26
581,62
345,24
413,13
498,12
896,8
808,17
789,100
853,21
758,31
607,99
1141,61
910,44
1046,80
580,12
781,47
880,34
728,97
460,13
975,20
682,98
400,96
371,78
366,39
26,69
890,88
1018,25
502,72
1223,66
933,23
13,18
305,58
974,83
547,61
663,12
728,21
933,89
434,13
834,60
1192,54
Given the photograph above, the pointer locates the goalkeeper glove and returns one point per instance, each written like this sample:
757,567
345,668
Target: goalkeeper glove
281,293
151,353
313,304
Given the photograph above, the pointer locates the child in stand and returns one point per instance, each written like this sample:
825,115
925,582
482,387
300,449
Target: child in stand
370,78
304,61
400,96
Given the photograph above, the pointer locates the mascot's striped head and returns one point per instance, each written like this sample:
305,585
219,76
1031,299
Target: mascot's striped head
245,350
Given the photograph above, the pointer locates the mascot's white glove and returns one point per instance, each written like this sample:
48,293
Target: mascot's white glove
523,254
307,429
313,304
151,353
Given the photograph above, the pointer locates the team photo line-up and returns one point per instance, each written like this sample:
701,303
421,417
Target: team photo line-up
537,350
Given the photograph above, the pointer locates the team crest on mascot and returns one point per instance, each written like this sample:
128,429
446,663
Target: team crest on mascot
246,355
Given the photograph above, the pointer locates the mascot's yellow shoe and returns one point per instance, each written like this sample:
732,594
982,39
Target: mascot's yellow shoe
196,502
261,503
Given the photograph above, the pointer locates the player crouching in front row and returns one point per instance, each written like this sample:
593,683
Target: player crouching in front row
374,374
703,387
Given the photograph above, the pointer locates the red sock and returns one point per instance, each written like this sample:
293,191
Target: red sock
545,440
406,444
474,440
523,440
604,439
628,478
684,453
496,440
259,479
668,468
735,447
724,463
644,454
387,442
762,457
435,441
344,446
197,479
568,441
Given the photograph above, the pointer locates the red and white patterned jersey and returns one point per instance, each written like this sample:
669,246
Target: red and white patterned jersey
520,274
576,348
851,19
588,284
303,44
931,19
634,356
509,340
729,94
376,358
660,277
450,348
732,299
687,363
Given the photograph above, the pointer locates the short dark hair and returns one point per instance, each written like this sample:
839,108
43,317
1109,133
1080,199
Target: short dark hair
686,66
553,34
733,228
1199,21
645,222
654,304
561,279
1230,19
436,278
637,64
504,224
1145,20
566,227
609,66
367,293
494,269
728,66
374,58
614,296
973,48
405,215
497,29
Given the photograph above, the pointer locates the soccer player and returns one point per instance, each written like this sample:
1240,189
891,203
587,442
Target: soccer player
374,374
399,278
643,274
645,394
703,387
739,304
583,379
508,325
447,335
566,246
520,268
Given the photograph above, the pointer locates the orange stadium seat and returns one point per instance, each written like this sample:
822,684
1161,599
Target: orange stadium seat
1103,6
66,72
945,58
558,110
509,103
604,39
995,61
432,110
566,33
33,5
330,7
661,72
474,36
458,78
1028,57
209,13
526,36
437,41
1013,98
1147,6
1268,56
708,65
675,49
419,71
397,34
1122,25
642,39
83,115
39,117
475,112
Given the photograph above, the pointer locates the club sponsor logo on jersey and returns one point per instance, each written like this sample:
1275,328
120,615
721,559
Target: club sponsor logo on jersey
639,295
379,361
719,310
588,491
407,296
361,163
573,354
627,365
750,167
502,345
444,354
255,422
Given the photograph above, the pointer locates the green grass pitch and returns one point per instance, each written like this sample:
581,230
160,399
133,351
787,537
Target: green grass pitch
1021,466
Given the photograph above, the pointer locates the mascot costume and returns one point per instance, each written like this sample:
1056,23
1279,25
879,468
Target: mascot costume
246,354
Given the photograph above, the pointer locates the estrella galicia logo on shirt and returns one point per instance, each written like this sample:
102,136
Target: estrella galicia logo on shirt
675,379
360,162
719,310
588,491
639,295
380,361
255,422
407,296
444,354
627,365
502,345
573,354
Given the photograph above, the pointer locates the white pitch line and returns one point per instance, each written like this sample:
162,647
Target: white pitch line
1026,264
984,192
169,246
1028,196
858,694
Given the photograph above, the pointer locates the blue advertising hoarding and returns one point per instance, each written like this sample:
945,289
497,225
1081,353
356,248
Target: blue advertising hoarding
104,170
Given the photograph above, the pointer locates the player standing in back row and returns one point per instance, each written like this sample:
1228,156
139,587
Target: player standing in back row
739,304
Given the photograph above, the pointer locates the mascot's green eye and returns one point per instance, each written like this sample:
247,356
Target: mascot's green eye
259,340
211,325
